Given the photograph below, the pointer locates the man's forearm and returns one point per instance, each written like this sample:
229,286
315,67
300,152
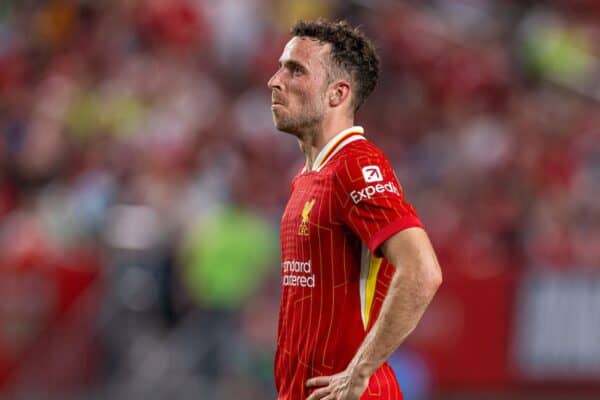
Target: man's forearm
409,294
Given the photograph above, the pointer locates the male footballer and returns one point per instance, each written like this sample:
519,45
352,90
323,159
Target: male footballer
358,269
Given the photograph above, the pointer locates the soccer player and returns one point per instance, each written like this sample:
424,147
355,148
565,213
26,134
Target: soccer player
358,269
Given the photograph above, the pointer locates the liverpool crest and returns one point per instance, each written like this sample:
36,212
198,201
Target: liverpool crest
303,228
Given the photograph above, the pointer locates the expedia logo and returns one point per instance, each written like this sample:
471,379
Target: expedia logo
369,191
372,173
303,228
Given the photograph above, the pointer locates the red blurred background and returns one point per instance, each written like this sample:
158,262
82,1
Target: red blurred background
142,182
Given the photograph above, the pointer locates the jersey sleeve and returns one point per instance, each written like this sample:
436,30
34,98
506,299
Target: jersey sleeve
370,199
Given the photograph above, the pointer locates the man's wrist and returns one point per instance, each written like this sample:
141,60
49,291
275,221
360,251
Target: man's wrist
362,369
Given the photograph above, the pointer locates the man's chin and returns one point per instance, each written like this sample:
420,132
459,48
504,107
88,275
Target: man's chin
283,126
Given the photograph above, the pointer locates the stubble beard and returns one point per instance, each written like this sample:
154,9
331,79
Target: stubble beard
301,123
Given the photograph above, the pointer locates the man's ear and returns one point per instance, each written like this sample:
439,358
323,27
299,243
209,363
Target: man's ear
339,93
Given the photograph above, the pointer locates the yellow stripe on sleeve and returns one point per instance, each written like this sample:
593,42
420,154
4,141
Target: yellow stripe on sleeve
374,265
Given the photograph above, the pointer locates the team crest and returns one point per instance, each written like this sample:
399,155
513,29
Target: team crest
303,228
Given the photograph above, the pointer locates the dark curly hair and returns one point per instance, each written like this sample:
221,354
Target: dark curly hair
351,51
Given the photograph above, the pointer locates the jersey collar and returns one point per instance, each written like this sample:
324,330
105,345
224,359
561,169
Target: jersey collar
334,145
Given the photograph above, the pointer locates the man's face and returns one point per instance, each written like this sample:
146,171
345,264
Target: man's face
299,86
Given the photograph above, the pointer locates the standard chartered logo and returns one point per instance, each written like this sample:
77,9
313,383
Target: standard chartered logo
298,273
369,191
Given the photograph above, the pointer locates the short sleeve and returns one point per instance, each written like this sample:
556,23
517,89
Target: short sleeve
371,201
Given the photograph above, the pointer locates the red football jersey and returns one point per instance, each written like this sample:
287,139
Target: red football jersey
333,279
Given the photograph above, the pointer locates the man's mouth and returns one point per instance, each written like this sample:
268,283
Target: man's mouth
276,101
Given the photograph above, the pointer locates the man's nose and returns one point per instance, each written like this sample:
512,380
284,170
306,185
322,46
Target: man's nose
275,81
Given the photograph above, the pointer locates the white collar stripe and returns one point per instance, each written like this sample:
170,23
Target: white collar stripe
339,147
333,145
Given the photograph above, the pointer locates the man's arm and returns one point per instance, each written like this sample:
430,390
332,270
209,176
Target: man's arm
417,278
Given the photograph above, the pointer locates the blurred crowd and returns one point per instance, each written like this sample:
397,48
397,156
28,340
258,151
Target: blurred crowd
142,180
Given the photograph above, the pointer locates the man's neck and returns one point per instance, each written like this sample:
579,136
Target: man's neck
312,142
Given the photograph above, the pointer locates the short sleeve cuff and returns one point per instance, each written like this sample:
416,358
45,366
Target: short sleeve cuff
408,221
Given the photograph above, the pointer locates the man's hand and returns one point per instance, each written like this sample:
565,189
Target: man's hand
342,386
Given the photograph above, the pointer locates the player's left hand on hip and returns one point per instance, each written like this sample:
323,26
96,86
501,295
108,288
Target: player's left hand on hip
342,386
